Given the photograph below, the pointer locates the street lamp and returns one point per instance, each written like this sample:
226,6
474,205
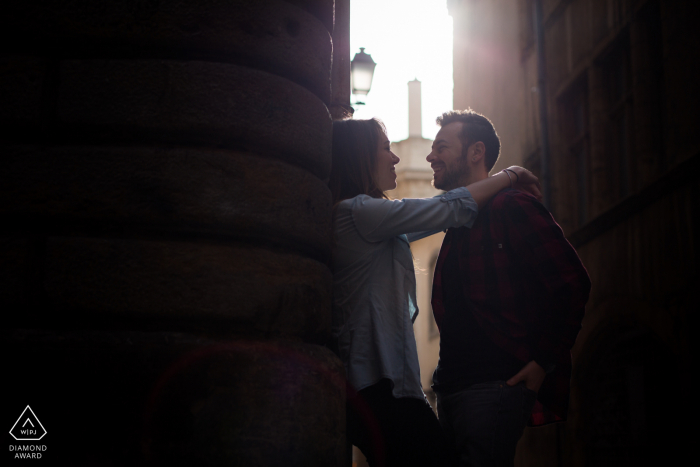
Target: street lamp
361,72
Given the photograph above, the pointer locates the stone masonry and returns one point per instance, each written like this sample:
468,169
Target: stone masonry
166,231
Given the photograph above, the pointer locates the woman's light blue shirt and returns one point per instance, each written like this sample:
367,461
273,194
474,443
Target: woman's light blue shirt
374,282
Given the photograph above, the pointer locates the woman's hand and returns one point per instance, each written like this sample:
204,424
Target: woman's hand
524,180
515,177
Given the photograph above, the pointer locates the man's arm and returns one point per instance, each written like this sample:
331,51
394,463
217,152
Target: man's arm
540,244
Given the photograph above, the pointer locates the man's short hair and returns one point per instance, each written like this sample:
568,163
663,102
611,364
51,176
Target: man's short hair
476,128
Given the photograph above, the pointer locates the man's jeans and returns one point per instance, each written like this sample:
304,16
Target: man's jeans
485,421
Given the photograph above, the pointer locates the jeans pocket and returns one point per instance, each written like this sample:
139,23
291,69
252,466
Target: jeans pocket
527,390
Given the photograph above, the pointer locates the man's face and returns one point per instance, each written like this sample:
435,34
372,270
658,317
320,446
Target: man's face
450,167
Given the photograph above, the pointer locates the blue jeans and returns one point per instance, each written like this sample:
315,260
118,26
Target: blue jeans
485,421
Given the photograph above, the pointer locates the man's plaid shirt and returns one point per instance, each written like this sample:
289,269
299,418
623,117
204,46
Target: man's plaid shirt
528,288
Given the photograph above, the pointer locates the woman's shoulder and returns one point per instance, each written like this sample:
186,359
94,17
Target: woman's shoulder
360,216
345,211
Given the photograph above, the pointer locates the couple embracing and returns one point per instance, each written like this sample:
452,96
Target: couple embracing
508,297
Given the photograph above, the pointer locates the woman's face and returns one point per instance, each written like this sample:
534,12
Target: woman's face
385,173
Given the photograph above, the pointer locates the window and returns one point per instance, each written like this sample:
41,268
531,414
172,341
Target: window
575,129
618,135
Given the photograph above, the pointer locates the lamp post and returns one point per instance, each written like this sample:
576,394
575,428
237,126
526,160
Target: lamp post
361,72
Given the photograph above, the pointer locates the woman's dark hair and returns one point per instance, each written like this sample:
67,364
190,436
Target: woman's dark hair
355,159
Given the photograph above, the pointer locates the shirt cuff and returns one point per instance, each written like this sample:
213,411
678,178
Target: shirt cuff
414,237
461,192
467,204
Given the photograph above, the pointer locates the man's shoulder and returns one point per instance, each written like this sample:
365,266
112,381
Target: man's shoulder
513,199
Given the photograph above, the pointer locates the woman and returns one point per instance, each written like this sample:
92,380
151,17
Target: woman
374,301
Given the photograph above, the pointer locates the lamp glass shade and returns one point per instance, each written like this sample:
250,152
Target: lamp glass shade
361,72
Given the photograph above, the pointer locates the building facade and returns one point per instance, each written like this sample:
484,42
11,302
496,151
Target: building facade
598,97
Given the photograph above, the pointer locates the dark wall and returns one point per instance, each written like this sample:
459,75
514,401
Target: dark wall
625,154
166,228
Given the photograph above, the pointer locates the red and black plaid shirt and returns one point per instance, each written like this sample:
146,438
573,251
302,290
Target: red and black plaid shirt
528,288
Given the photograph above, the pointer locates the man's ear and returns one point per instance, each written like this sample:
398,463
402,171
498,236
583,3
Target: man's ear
477,151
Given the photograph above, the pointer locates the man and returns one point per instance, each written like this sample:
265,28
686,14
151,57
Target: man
508,298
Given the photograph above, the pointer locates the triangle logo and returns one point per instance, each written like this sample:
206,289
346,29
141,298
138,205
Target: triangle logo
27,427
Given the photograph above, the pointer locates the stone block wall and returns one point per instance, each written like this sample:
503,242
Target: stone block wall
166,230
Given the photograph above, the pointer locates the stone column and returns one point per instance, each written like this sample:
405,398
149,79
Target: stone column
340,76
166,231
415,114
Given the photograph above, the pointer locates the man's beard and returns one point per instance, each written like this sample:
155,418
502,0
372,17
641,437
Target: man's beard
452,176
